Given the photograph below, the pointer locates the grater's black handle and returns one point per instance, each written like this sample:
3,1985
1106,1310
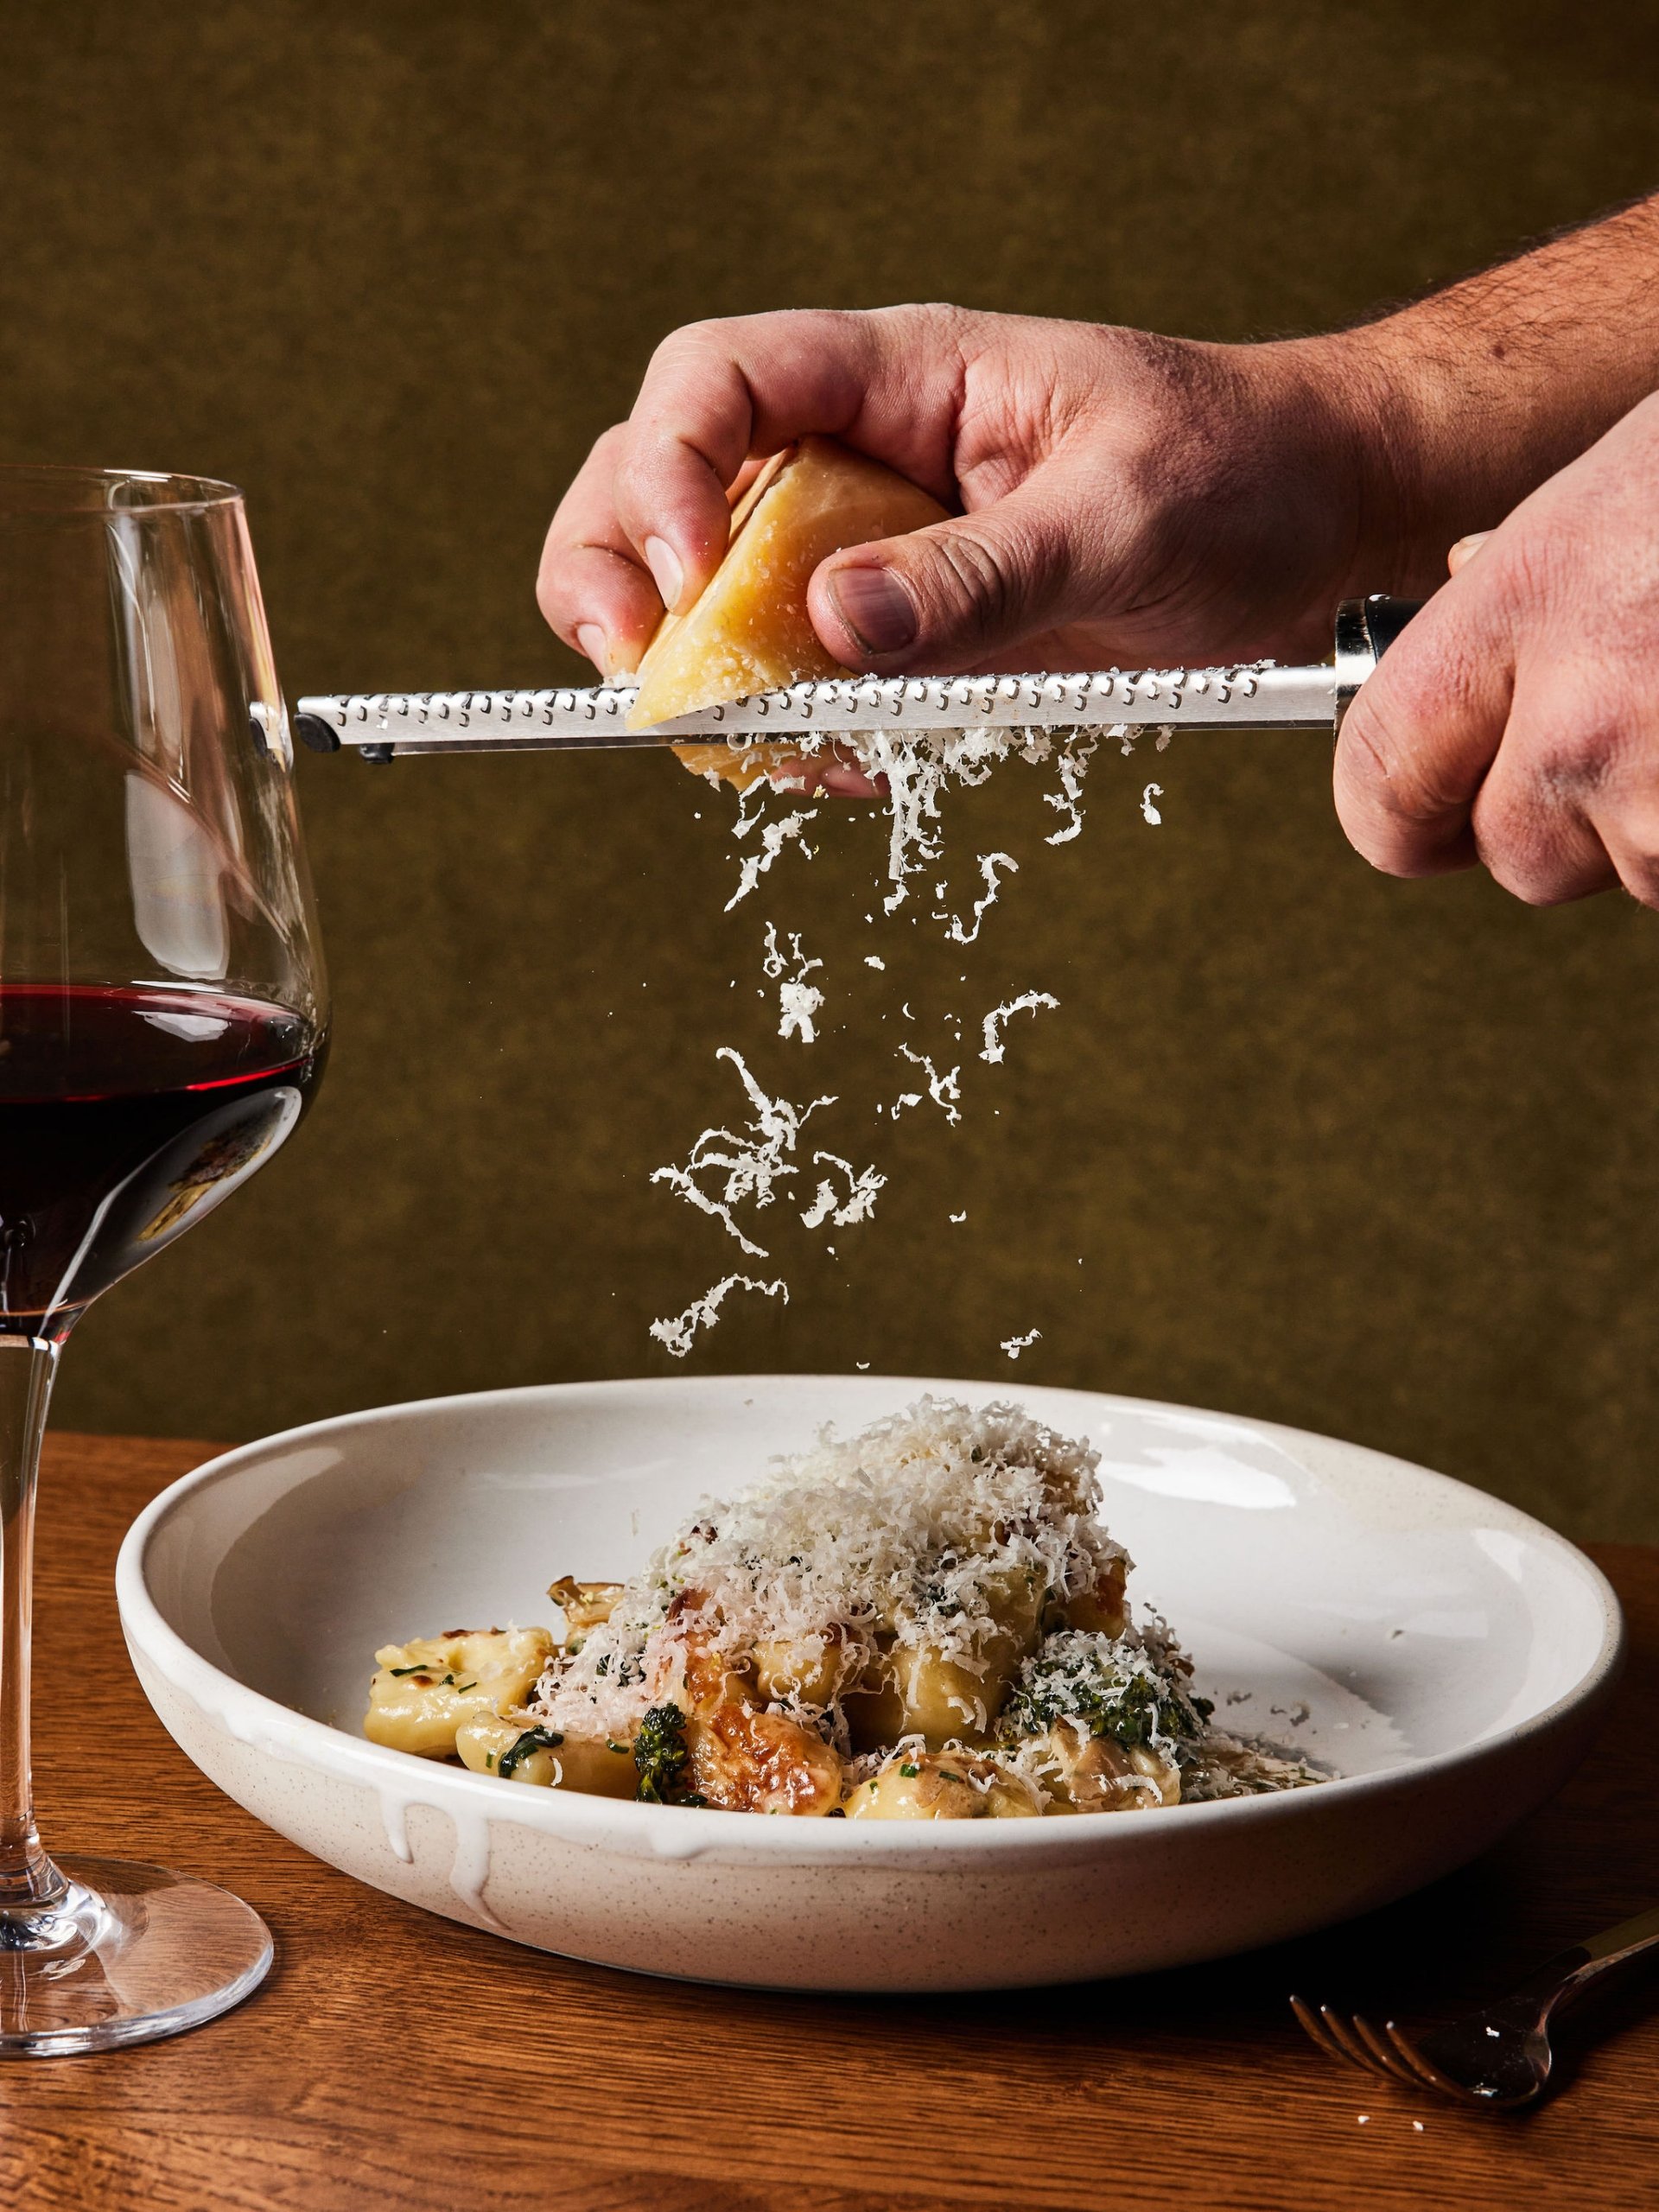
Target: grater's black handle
1365,630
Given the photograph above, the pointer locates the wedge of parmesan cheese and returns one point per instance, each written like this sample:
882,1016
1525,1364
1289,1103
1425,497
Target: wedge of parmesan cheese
750,631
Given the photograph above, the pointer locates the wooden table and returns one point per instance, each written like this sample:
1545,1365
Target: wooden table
397,2061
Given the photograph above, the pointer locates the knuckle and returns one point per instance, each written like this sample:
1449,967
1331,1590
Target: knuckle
977,578
1000,580
692,339
1531,880
726,340
1576,758
1639,874
609,446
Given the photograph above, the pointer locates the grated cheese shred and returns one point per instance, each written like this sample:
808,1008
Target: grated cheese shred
676,1335
1027,1002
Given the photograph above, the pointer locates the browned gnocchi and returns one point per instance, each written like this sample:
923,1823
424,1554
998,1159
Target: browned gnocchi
925,1622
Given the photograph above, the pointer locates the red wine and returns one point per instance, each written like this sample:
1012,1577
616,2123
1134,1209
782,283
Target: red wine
126,1114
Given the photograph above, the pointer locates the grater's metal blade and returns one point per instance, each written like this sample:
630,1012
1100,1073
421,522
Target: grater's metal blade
1262,695
1258,694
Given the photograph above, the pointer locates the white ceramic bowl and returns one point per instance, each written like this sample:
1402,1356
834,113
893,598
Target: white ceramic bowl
1450,1655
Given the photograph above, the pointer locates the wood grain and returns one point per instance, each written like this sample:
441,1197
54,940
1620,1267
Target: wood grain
398,2061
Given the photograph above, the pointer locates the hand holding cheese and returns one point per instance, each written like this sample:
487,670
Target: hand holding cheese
1122,497
1125,498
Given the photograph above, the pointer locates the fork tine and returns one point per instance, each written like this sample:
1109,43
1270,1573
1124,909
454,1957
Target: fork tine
1385,2056
1352,2045
1319,2033
1405,2052
1427,2073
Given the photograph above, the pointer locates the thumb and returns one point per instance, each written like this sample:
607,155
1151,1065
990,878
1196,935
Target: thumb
954,594
1425,728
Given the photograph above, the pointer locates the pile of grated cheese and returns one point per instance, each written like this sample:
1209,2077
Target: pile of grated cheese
899,1531
902,1538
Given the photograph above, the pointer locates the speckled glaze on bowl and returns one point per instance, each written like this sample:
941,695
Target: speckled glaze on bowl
1448,1655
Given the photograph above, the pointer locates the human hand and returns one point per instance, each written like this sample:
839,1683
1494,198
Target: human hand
1126,497
1516,722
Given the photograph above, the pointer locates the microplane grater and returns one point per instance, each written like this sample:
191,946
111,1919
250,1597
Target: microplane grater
1261,694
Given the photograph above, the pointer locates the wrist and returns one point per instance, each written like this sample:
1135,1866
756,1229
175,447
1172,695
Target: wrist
1373,412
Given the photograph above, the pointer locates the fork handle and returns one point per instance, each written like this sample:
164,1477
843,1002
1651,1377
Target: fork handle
1573,1971
1614,1945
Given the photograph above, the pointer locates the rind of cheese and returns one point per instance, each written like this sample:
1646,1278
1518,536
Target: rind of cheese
729,764
749,631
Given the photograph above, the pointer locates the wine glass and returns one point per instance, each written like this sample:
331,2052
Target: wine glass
162,1029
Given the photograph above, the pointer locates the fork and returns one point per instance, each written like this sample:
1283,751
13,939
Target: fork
1500,2058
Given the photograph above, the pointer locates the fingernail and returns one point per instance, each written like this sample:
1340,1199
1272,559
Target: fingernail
665,571
875,607
1465,549
596,645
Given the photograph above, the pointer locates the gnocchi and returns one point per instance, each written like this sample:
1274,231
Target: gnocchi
926,1622
423,1690
914,1784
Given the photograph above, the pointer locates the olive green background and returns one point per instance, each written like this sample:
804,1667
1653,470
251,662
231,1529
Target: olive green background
1378,1158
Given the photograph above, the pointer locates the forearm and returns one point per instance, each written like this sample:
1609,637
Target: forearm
1464,403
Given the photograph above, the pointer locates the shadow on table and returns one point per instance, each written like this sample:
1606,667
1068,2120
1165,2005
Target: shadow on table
1459,1943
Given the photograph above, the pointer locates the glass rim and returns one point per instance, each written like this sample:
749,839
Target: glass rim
59,490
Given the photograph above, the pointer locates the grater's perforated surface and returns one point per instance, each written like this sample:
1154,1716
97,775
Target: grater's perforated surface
1259,694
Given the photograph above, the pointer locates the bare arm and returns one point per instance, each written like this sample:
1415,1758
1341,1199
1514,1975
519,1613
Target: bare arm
1472,396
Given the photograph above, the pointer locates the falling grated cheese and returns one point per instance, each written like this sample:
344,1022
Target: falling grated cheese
728,1170
946,1091
989,864
751,1165
799,1001
1073,766
1151,791
862,1184
1027,1002
919,766
774,836
1014,1345
676,1335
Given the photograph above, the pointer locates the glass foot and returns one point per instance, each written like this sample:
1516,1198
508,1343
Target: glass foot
127,1953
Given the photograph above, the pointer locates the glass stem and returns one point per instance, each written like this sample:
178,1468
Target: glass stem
27,1368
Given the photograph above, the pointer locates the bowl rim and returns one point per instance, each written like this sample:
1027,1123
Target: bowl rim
681,1832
